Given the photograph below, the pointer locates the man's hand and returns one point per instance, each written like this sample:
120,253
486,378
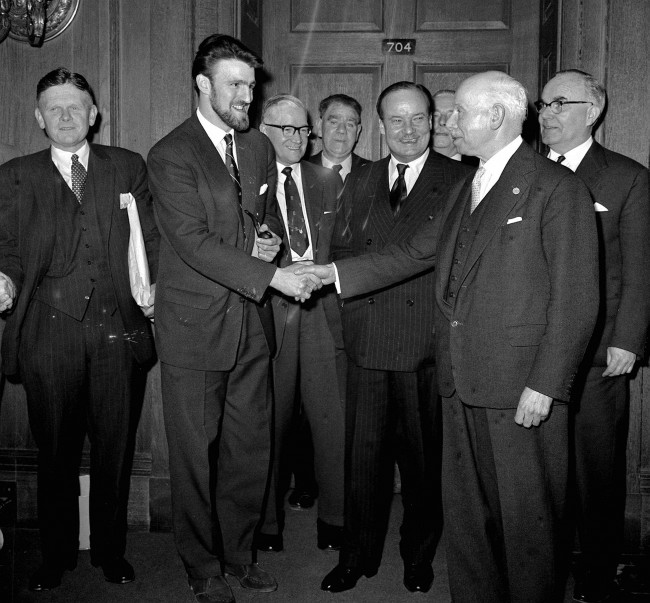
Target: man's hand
533,408
325,272
7,293
619,362
267,249
152,298
299,286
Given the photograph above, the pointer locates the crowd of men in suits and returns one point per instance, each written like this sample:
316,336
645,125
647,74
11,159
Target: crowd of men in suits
472,324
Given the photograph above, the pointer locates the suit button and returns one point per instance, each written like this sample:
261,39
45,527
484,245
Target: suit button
452,277
409,302
452,294
369,242
456,261
371,300
454,323
461,245
242,300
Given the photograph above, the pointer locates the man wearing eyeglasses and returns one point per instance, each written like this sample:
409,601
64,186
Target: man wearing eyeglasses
571,106
392,406
310,359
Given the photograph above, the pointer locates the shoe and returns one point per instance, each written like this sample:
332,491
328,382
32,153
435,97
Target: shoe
118,571
211,590
418,577
593,591
330,538
252,576
46,577
344,578
300,500
269,542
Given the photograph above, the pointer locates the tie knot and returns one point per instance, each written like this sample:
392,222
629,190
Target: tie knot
228,139
287,172
401,168
337,167
75,158
560,159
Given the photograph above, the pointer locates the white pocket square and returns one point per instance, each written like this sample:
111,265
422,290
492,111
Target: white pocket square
126,199
599,207
513,220
263,188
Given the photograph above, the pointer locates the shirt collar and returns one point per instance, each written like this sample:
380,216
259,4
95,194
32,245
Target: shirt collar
295,171
415,166
573,157
215,133
346,164
64,158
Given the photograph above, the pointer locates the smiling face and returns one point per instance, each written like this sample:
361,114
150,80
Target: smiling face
572,126
406,124
340,129
225,97
66,114
288,149
442,140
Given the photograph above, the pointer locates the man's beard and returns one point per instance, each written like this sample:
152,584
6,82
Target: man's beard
240,124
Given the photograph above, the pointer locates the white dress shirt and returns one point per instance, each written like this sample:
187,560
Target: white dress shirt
346,165
495,165
411,175
573,157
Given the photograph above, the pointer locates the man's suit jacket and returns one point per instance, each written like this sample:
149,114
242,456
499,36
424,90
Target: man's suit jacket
391,329
206,267
528,296
619,185
27,235
320,187
357,161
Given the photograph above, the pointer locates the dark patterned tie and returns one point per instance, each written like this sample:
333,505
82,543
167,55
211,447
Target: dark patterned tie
78,178
398,193
337,167
231,164
295,218
560,159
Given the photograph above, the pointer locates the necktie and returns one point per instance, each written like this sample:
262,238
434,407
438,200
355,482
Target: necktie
398,193
232,165
560,159
295,218
78,178
337,167
476,189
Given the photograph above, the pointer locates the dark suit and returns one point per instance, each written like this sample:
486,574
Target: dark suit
310,360
64,336
619,185
214,338
393,411
516,293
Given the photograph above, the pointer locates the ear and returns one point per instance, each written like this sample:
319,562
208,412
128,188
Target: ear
318,128
497,114
359,128
430,122
93,115
203,84
263,129
382,130
593,113
39,118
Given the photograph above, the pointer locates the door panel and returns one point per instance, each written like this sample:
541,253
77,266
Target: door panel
313,49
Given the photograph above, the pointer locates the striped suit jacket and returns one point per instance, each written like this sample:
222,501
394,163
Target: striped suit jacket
391,329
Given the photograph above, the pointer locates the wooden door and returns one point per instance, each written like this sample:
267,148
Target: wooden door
313,49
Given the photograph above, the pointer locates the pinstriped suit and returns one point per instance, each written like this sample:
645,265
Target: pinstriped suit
392,406
75,334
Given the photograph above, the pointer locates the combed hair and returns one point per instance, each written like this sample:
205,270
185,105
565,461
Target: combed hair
506,91
278,99
594,87
404,86
60,76
343,99
221,46
444,91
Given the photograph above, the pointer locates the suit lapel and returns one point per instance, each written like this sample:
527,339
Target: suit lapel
503,196
592,164
313,193
379,211
101,174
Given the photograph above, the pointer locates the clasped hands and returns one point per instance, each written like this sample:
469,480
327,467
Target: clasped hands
301,279
7,293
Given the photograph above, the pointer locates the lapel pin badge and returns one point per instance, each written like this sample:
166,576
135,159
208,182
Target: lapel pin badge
516,190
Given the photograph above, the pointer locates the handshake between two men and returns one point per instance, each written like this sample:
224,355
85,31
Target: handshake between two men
300,279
